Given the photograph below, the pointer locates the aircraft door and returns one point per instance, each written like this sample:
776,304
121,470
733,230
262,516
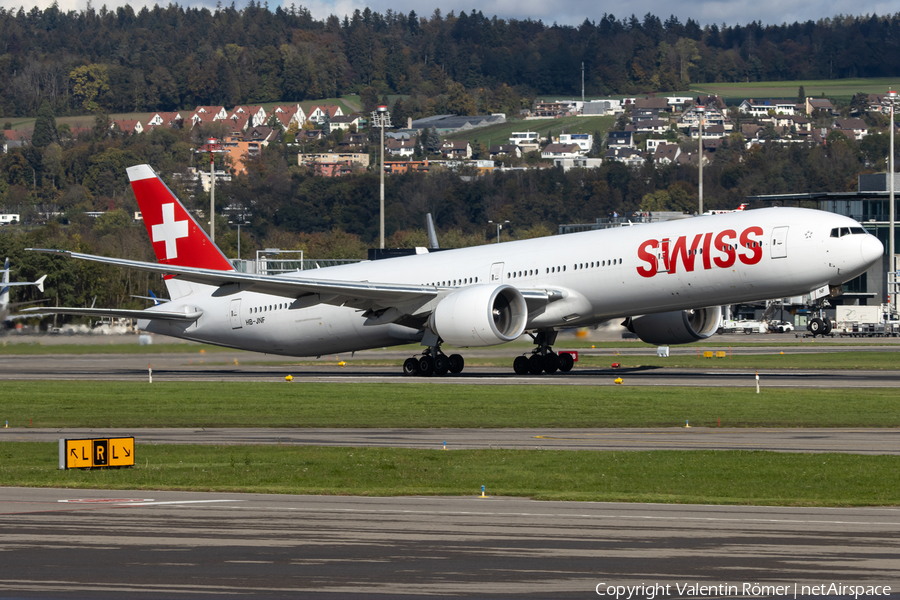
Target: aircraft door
497,272
779,242
662,256
236,314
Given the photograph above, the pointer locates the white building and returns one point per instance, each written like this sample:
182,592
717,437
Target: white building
524,137
761,108
585,141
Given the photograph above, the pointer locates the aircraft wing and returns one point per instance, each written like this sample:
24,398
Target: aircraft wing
161,315
358,294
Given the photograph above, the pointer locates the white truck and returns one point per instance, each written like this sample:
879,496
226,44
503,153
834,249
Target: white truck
748,327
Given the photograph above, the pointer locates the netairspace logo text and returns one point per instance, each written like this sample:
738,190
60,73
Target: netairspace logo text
750,590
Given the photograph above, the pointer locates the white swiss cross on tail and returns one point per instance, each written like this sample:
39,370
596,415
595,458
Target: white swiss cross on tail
177,238
170,230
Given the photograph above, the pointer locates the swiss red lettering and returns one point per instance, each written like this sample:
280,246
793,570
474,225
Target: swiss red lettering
648,257
720,250
687,255
707,243
753,244
724,244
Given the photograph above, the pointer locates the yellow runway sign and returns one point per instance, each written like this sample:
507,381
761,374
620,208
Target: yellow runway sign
103,452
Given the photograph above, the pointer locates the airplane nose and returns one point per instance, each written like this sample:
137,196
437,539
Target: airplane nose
872,249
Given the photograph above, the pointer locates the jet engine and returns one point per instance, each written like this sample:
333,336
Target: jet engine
678,327
480,315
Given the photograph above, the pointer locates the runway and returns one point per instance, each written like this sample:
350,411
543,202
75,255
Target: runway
850,441
222,367
140,544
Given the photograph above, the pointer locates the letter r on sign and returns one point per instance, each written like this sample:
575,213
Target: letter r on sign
101,448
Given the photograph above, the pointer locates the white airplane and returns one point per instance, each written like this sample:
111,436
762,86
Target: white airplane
5,284
667,279
724,211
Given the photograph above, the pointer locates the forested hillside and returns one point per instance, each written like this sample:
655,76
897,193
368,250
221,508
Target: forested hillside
174,57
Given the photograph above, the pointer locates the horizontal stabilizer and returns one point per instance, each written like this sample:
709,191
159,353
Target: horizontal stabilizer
120,313
39,283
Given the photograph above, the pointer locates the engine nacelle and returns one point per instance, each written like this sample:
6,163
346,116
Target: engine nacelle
678,327
480,315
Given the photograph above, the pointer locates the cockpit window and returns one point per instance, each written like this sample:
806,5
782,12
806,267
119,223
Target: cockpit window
842,231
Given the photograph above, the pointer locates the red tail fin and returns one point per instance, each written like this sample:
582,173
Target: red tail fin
176,237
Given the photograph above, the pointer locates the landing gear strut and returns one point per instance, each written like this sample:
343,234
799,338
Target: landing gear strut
543,359
820,325
433,362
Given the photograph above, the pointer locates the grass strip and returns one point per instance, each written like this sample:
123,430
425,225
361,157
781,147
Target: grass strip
37,348
750,362
298,404
707,477
753,362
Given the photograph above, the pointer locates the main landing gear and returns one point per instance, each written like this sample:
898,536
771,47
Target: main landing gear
543,359
433,362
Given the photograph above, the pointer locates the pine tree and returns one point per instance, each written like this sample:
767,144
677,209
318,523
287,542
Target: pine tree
44,127
801,95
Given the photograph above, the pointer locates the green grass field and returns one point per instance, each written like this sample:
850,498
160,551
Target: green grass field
834,89
732,477
37,348
499,134
423,405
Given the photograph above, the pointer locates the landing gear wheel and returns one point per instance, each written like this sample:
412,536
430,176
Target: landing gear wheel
520,365
817,327
536,364
426,366
411,366
551,363
441,364
828,326
456,363
566,362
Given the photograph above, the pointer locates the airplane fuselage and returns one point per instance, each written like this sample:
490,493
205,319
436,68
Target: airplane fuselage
676,265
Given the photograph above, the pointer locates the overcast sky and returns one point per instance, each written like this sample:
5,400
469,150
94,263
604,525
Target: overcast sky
572,12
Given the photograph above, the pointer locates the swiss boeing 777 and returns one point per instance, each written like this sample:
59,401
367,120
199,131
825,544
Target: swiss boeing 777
667,279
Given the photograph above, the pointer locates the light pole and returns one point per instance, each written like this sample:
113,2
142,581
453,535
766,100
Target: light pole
381,118
212,197
892,98
499,225
239,223
701,110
